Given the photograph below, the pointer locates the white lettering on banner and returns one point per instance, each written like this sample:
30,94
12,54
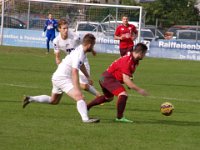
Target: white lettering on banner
106,41
190,57
33,38
11,36
193,52
179,45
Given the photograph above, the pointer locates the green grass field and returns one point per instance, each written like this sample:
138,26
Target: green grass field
27,71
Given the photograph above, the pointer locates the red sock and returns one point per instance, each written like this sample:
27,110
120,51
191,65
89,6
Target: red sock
121,104
97,101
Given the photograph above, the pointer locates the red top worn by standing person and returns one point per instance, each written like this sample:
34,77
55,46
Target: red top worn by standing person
126,33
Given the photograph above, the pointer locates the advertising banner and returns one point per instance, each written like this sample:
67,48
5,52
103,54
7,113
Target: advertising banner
33,38
176,49
24,38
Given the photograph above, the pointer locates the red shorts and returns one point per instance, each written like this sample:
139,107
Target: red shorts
123,51
110,85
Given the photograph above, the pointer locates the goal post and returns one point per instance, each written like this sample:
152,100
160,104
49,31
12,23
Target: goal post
75,11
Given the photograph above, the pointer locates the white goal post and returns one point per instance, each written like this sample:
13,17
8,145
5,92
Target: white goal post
95,11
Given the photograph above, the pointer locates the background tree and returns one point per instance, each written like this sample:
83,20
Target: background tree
171,12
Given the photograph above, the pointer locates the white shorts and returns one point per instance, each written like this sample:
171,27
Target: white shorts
60,86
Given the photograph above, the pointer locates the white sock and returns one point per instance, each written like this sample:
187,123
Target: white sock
82,109
40,99
93,91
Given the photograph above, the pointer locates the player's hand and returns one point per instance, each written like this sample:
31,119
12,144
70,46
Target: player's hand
142,92
43,34
122,37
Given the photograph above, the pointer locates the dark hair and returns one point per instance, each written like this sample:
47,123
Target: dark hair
62,22
140,47
124,15
89,39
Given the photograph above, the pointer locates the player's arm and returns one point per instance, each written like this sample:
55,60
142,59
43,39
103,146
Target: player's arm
55,25
117,35
84,71
134,34
57,57
45,26
130,84
56,51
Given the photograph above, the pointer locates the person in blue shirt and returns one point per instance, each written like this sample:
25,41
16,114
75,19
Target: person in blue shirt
49,28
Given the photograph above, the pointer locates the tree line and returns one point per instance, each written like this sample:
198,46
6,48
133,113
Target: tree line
168,12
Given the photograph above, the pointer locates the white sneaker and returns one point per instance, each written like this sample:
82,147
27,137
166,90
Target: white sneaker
92,120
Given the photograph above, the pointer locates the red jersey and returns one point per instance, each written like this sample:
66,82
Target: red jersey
127,31
123,65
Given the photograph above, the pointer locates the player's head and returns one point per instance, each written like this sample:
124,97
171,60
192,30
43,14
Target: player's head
125,20
88,42
50,16
168,35
63,27
139,51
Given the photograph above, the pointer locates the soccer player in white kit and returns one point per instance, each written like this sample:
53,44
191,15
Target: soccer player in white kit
67,41
66,79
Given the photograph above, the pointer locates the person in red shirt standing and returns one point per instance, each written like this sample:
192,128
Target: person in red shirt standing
126,33
117,74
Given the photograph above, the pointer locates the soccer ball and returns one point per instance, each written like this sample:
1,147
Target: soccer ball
166,108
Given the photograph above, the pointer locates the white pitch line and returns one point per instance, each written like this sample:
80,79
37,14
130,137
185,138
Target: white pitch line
18,85
149,97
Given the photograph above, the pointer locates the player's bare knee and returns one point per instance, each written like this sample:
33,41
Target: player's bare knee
123,93
77,98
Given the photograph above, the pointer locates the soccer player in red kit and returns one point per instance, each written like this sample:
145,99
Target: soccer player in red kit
126,33
117,74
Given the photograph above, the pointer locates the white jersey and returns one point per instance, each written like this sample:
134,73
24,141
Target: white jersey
66,45
74,60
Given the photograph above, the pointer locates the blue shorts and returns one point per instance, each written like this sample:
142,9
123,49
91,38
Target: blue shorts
50,36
